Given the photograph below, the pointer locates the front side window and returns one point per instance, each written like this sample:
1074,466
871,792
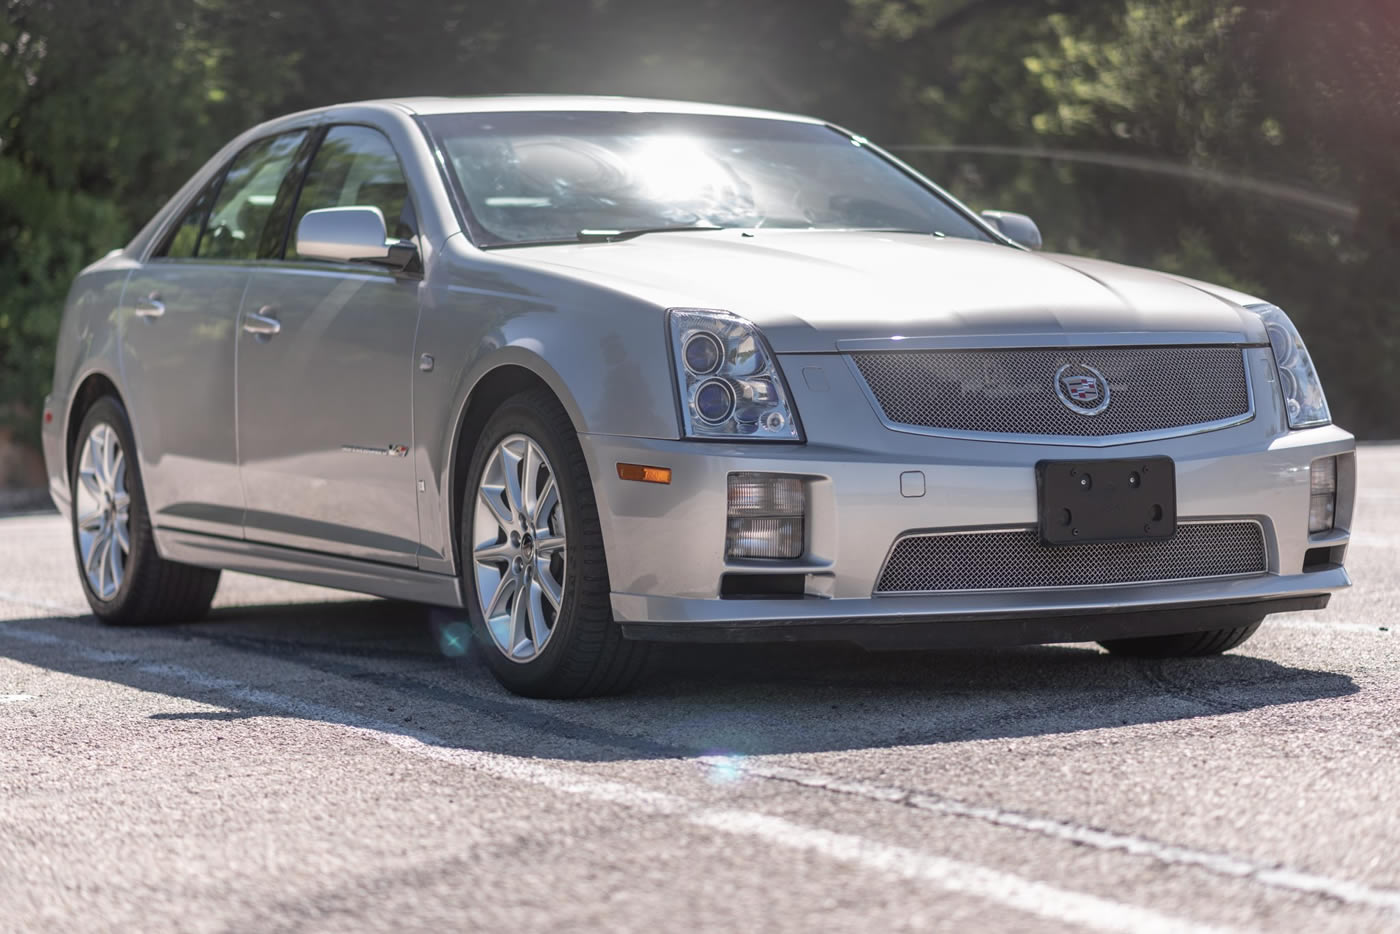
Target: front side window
184,239
546,177
245,200
355,166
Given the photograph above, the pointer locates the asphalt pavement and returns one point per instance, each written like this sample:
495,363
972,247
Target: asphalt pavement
308,760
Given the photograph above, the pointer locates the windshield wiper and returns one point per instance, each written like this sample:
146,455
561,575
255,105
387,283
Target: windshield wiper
908,230
612,236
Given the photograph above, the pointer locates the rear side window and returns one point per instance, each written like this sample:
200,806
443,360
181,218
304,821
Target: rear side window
355,166
246,197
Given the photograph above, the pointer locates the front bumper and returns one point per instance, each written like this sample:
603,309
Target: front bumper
665,543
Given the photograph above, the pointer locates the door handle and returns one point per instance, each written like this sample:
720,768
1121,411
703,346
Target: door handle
262,323
150,307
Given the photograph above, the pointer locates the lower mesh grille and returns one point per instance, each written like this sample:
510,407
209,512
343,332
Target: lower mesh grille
1015,559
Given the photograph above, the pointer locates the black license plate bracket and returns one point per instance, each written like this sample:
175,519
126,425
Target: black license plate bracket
1082,502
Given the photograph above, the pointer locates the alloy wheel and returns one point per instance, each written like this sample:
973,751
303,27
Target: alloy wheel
102,506
519,547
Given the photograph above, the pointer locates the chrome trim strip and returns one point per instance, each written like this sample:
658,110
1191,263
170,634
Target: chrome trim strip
1083,441
965,341
940,533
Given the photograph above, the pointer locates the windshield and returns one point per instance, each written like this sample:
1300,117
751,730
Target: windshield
532,177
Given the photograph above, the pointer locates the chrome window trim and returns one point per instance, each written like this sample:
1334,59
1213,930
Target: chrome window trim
1053,340
1001,529
1083,441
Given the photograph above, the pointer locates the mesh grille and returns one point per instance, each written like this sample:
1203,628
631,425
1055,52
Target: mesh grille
1013,391
1016,559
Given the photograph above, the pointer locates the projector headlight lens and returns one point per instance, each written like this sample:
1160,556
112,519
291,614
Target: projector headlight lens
703,353
714,401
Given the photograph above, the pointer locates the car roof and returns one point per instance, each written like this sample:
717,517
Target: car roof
504,103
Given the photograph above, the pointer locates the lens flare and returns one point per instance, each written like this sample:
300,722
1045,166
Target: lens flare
723,768
455,639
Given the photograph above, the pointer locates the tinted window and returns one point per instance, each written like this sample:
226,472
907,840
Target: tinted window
356,166
246,197
183,240
547,176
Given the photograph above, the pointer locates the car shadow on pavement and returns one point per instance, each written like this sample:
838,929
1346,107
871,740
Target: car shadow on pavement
389,662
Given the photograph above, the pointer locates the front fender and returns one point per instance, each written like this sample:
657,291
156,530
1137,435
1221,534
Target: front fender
603,353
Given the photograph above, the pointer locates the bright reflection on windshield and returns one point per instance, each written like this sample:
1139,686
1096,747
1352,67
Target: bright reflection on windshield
678,167
532,177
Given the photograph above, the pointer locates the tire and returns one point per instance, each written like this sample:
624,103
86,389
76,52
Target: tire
533,647
131,584
1183,645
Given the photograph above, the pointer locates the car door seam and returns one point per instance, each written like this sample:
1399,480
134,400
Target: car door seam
237,384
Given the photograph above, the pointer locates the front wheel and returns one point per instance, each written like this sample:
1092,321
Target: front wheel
124,579
532,553
1183,645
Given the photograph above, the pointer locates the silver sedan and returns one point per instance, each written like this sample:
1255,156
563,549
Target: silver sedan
600,372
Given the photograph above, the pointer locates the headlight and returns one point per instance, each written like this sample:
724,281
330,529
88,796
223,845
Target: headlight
729,380
1302,390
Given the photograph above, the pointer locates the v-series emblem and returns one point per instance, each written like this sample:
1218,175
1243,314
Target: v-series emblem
388,450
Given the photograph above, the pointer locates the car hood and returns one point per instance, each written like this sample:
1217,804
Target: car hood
817,291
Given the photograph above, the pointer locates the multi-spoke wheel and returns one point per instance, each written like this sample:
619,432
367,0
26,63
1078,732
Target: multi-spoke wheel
103,508
125,580
519,548
532,555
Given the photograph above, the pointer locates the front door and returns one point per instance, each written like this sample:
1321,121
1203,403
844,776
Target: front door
325,408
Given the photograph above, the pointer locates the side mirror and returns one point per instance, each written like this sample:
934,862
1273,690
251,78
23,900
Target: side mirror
349,235
1017,227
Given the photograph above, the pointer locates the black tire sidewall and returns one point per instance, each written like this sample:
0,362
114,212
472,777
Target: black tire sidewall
517,418
109,411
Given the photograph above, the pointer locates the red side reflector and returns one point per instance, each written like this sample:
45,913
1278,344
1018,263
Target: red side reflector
644,474
48,417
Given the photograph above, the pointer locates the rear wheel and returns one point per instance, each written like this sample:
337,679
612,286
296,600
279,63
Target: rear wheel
1183,645
124,579
532,552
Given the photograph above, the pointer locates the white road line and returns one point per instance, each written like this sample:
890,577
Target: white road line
15,698
1286,623
1270,874
1035,898
1047,901
41,604
101,656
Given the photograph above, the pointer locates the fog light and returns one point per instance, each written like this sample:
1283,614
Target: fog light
766,516
764,538
1322,505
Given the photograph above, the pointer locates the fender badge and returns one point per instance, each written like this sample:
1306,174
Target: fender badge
389,450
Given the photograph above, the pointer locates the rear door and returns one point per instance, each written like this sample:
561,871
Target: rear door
325,407
179,315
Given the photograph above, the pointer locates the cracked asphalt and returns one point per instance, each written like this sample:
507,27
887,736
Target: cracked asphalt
308,760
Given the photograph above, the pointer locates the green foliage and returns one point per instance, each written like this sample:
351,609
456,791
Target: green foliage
105,108
1249,143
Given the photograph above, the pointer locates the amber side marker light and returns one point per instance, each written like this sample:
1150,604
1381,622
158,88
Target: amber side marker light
644,474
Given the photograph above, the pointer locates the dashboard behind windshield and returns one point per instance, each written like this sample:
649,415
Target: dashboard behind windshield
546,176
